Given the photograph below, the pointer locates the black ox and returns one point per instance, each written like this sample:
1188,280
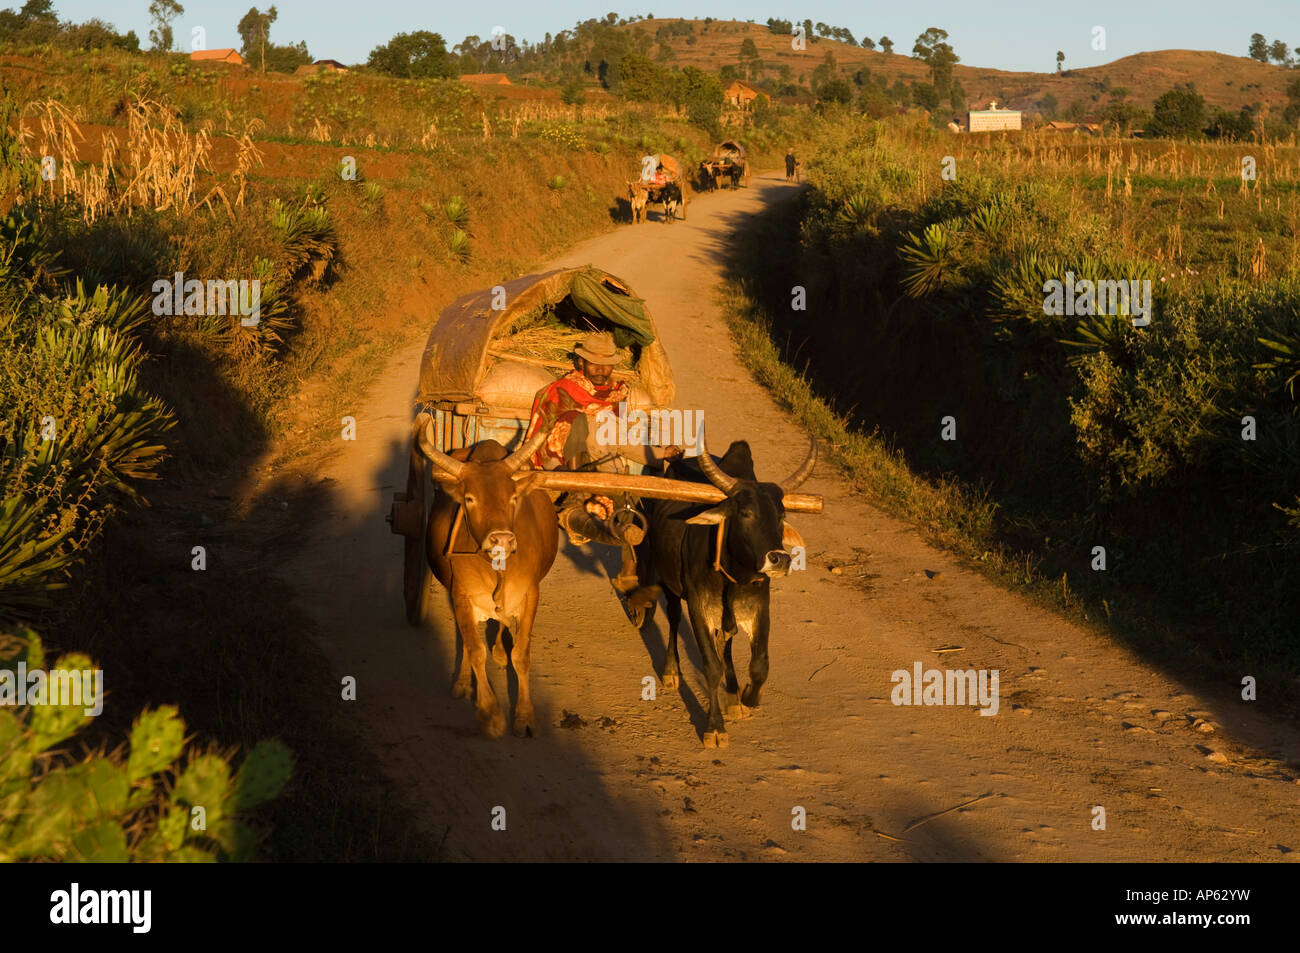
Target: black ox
720,559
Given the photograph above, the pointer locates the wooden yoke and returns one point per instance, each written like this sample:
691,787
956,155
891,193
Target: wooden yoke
659,488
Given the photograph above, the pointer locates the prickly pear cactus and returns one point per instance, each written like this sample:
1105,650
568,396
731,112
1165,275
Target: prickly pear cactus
110,808
263,775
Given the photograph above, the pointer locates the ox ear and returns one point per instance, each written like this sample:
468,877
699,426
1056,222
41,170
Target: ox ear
709,517
790,538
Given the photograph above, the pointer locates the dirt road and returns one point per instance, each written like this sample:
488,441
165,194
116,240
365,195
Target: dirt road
1081,723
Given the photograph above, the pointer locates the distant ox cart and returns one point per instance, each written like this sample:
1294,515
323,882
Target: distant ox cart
727,161
661,182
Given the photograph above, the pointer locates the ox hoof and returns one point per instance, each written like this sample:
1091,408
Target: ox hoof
492,723
738,710
715,739
749,697
499,653
460,688
525,727
670,681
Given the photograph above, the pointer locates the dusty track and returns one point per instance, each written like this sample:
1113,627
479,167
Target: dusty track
1082,722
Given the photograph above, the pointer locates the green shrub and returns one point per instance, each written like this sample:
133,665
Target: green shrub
157,801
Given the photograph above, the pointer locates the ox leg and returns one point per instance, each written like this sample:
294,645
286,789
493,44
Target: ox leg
490,718
672,665
522,636
757,657
715,731
463,686
732,704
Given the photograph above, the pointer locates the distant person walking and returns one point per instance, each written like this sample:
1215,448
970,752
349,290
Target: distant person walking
790,164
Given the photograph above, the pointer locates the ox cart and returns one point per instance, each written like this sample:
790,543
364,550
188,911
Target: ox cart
727,161
662,183
486,358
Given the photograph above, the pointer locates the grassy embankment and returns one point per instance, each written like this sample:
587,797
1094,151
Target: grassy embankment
925,300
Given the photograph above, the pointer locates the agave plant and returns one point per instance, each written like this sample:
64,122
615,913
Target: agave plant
927,257
308,239
1018,291
274,319
107,305
458,245
457,212
1109,333
858,213
1286,358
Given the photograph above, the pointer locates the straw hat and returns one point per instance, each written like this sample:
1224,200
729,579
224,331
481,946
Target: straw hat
598,348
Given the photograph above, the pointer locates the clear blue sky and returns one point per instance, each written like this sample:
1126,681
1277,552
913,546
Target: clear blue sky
1004,34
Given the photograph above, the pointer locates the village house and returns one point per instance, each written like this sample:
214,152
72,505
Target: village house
321,66
486,79
1057,125
740,94
230,57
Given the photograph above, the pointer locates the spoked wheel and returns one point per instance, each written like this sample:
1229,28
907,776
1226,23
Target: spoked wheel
416,575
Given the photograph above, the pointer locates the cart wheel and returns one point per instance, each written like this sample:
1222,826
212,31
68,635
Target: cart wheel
416,575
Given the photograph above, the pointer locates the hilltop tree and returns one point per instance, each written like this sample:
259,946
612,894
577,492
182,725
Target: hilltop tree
887,44
749,59
255,31
957,97
1060,60
1279,53
868,43
1258,47
163,12
931,47
418,55
780,27
825,72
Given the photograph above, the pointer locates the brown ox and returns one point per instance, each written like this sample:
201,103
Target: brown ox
638,197
491,540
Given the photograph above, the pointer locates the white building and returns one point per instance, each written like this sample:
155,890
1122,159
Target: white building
984,120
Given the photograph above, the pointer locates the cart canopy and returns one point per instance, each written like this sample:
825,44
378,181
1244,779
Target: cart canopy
457,353
728,149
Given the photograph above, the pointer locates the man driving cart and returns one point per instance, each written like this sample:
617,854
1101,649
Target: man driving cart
567,410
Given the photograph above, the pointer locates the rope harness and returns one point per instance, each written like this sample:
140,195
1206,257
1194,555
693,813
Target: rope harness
498,592
717,552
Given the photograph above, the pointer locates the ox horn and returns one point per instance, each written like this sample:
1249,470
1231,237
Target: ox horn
794,480
711,470
524,453
427,441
